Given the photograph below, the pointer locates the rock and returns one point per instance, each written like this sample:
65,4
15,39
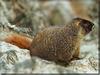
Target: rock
16,60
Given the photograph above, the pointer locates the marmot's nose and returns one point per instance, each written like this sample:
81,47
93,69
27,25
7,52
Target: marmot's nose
90,26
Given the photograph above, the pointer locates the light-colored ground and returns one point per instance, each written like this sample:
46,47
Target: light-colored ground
16,60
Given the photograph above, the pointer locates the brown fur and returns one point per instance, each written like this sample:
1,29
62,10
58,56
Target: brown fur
59,44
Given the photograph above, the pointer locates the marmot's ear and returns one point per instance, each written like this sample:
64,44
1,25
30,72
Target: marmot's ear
86,25
77,20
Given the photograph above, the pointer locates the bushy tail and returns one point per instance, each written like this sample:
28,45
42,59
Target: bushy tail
16,39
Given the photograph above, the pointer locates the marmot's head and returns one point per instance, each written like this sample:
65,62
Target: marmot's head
86,25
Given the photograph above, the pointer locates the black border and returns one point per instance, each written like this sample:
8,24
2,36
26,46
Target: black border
99,33
66,73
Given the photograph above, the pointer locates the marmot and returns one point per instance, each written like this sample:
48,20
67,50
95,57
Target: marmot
57,43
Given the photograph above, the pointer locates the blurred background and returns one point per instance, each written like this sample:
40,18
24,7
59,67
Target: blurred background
28,17
31,16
